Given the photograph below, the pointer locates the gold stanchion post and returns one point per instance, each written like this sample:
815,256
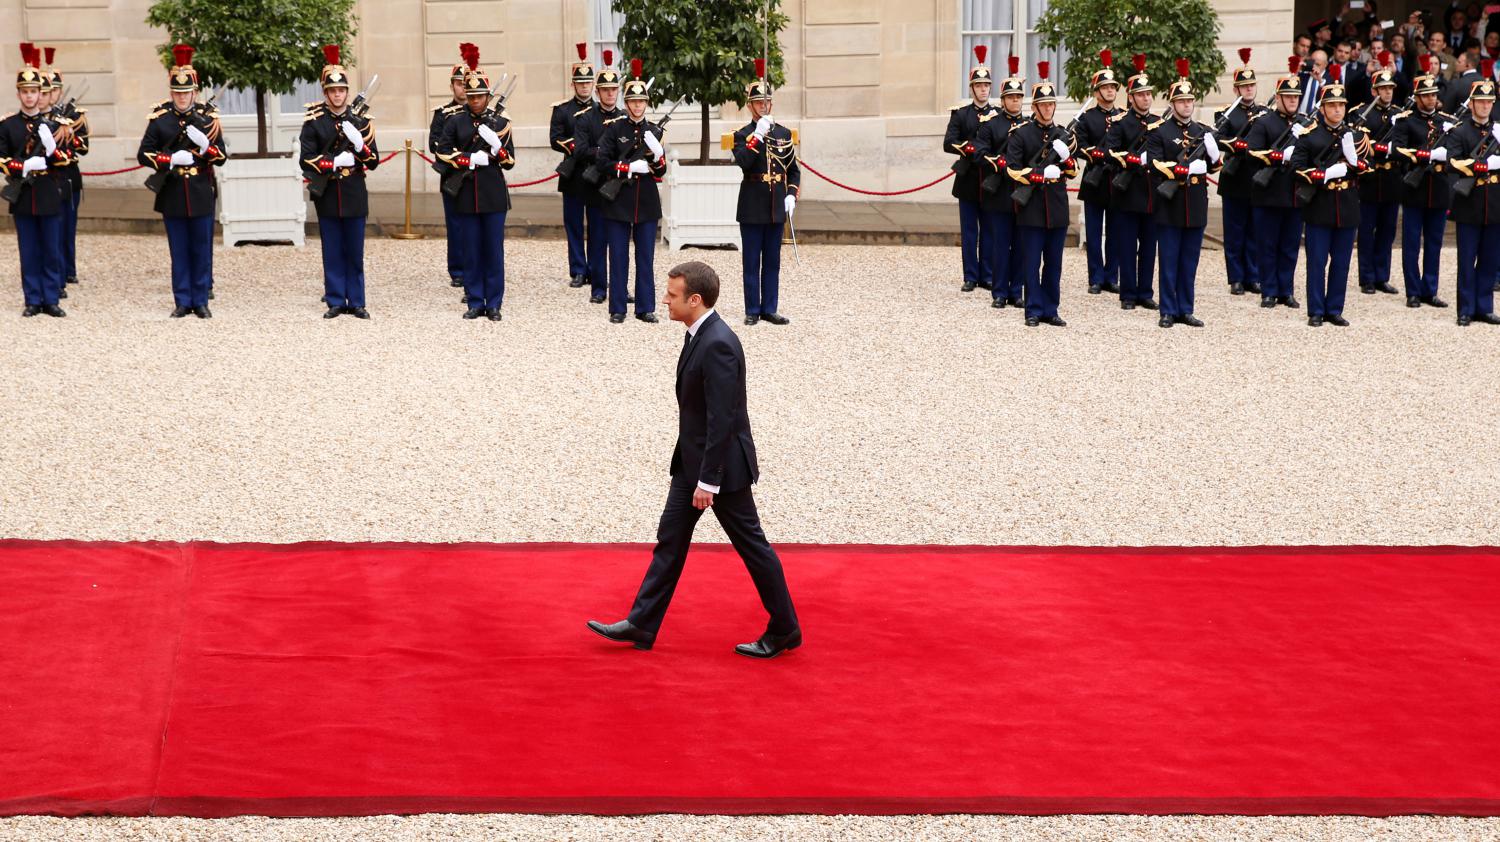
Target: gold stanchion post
406,233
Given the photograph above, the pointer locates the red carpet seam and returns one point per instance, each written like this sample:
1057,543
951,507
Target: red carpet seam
189,555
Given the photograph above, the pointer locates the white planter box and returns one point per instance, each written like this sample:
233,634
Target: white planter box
262,199
700,205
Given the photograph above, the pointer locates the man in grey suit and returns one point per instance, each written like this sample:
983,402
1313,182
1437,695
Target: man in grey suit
713,466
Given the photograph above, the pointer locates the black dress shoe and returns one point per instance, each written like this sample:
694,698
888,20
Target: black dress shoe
71,280
1015,302
210,295
1336,321
494,314
1267,302
1095,289
968,286
1032,321
333,312
1292,302
770,645
1367,290
1413,301
31,310
1148,304
474,312
1112,288
1054,321
455,282
53,310
616,318
624,632
357,312
577,281
752,320
1385,288
1463,321
1314,321
203,312
986,285
998,303
1189,320
776,318
1487,318
1236,288
62,293
179,312
650,318
596,299
1434,301
1127,305
1252,288
1165,321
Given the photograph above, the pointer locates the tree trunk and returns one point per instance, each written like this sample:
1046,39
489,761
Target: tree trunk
703,141
260,122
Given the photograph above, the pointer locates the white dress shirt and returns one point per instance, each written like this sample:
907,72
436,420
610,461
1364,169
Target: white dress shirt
693,332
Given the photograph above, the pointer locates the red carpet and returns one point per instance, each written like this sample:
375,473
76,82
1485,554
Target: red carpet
324,679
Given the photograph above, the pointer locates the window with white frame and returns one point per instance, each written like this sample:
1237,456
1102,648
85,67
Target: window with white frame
604,23
238,101
992,23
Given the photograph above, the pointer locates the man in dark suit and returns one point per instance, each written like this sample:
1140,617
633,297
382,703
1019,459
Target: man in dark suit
713,465
1456,93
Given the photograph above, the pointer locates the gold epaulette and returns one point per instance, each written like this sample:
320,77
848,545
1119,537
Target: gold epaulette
1117,116
159,109
614,119
563,101
8,116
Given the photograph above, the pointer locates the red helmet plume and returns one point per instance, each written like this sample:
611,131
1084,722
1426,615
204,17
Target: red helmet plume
1385,57
635,68
1106,58
609,58
760,68
471,55
50,52
331,53
1182,68
1244,55
980,51
26,49
1044,69
583,50
1426,61
182,55
1139,60
1336,72
1487,68
1015,65
1293,64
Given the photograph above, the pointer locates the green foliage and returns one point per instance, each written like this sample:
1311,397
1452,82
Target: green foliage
1164,30
264,45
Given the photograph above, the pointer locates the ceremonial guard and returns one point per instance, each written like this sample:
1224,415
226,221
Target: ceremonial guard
32,159
1274,208
1329,158
633,153
764,152
476,150
1041,161
440,117
963,124
338,147
1234,181
1379,185
1427,193
564,137
1094,189
1182,152
1002,257
182,145
1474,152
73,133
589,132
1130,190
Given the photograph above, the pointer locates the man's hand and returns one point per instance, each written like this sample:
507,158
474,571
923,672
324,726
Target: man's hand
654,145
702,499
763,127
49,143
35,163
479,159
344,159
491,138
1198,167
790,204
182,158
198,138
356,139
639,167
1211,147
1061,149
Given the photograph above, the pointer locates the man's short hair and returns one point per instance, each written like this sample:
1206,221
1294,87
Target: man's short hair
699,279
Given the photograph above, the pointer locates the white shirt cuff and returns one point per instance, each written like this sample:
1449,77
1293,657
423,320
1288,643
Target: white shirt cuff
711,489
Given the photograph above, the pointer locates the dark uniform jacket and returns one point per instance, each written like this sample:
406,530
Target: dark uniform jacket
1415,137
639,200
563,135
1171,145
990,150
963,125
1126,140
1336,202
77,121
484,189
1381,183
1092,130
588,133
1234,180
771,172
1048,207
1469,144
47,190
322,140
440,117
1266,142
714,445
189,190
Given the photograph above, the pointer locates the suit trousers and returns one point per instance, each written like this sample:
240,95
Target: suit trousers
573,226
598,251
1328,252
1099,234
1239,245
455,239
343,260
1135,254
1478,262
760,254
1179,249
973,236
1421,236
38,238
1377,233
1278,232
191,242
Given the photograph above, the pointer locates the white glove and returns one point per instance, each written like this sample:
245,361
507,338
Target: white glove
44,132
1447,127
791,204
763,127
479,159
1051,172
33,164
1493,162
1495,130
356,139
344,159
1061,148
1439,154
1144,158
1211,146
198,138
1338,170
1348,146
491,138
654,145
182,158
640,168
1286,154
1198,167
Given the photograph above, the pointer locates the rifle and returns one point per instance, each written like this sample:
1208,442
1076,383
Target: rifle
158,179
1414,176
1465,186
1022,193
317,183
11,192
1125,176
609,190
1168,189
453,182
1331,156
1263,176
1232,163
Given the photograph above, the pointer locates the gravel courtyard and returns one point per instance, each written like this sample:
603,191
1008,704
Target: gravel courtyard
894,409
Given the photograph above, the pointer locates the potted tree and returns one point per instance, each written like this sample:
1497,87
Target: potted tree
1162,30
702,53
267,47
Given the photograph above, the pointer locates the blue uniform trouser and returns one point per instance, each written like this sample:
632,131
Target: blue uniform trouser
573,215
455,240
1002,255
598,241
1099,233
1478,263
343,260
40,238
1179,249
621,236
1278,232
1328,253
191,241
760,250
973,234
70,235
1377,233
1421,235
1239,249
1041,264
483,237
1135,254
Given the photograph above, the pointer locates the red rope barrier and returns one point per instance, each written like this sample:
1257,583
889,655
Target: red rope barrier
538,181
810,169
115,172
424,157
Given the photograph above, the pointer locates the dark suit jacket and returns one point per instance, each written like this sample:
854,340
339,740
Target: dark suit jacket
1456,92
713,428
